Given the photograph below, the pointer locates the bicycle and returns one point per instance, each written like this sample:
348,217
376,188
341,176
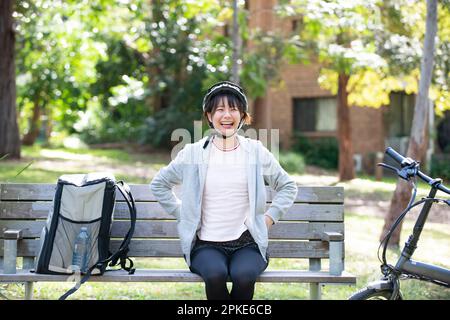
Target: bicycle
388,287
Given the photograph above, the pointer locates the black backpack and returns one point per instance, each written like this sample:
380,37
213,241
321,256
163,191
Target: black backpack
84,201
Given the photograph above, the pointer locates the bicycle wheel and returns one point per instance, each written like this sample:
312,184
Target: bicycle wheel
373,294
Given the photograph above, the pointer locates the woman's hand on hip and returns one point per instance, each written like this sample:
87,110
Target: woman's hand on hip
269,221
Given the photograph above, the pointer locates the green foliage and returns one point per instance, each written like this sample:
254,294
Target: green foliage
263,63
109,70
440,166
55,60
169,60
321,152
292,162
118,107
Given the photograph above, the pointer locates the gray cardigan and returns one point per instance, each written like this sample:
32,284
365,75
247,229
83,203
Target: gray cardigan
189,169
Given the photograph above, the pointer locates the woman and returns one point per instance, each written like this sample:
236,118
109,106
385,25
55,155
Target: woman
222,220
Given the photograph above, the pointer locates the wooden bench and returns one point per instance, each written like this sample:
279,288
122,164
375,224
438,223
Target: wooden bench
312,229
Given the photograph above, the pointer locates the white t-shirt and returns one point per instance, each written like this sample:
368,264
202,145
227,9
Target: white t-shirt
225,205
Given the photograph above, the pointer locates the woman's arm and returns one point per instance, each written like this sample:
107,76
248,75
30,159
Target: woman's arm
278,179
164,181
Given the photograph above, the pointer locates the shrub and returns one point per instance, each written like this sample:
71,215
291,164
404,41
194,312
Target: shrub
292,162
440,167
321,152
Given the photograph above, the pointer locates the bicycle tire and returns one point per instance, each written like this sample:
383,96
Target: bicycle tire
373,294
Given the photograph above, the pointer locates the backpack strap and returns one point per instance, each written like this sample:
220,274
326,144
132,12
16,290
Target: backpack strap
79,283
121,255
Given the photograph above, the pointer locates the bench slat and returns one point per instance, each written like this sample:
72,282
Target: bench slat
153,210
168,229
141,192
171,248
182,276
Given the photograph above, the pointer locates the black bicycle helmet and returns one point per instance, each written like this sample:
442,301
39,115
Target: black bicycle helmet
222,87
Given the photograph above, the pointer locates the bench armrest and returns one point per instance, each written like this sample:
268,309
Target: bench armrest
336,241
332,236
10,234
10,238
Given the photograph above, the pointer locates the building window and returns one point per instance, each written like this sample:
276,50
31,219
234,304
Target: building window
315,115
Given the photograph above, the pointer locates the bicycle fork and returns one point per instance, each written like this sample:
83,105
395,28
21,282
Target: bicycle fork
389,283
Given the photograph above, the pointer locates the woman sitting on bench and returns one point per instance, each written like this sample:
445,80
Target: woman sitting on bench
222,221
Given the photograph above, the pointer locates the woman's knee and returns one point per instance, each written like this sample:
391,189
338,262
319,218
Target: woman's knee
243,277
215,277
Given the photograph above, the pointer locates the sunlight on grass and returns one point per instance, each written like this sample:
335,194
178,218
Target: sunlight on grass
50,163
381,190
76,154
59,154
367,185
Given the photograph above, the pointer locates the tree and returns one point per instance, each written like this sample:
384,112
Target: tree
418,139
9,131
339,35
56,58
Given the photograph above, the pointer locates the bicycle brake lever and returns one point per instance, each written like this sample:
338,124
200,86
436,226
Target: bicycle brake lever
384,165
403,173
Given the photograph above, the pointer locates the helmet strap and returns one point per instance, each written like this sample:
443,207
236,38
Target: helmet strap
217,133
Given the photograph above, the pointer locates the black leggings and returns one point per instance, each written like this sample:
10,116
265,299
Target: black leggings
214,265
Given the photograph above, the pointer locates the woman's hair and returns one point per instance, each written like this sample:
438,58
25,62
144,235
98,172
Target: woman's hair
233,101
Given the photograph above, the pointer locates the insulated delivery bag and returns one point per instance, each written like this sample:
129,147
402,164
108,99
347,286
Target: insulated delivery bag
76,236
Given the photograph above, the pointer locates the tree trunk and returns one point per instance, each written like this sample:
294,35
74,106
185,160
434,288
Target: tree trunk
346,168
154,70
30,137
48,127
9,130
418,139
236,44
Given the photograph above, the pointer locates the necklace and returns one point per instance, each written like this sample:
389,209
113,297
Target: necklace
225,149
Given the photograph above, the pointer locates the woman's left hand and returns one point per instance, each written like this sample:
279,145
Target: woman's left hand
269,221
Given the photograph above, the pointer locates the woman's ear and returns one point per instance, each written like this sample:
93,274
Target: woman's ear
208,114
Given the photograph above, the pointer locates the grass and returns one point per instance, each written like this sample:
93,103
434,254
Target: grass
47,164
362,232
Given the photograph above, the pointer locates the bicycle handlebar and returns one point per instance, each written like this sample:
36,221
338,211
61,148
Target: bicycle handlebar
395,155
407,161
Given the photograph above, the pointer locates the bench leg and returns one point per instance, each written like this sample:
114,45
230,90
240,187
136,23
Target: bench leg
314,288
315,292
28,263
29,290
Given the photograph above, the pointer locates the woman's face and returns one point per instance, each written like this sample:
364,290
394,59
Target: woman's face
225,118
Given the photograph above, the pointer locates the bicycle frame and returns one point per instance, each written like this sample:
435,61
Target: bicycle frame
425,271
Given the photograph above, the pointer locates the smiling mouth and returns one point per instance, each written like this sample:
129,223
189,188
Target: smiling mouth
227,125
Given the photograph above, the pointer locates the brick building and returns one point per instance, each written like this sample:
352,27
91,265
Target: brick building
300,105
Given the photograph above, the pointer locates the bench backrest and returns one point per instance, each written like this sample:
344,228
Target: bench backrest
298,235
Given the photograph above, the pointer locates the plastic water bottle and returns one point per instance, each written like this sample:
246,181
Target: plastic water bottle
80,258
